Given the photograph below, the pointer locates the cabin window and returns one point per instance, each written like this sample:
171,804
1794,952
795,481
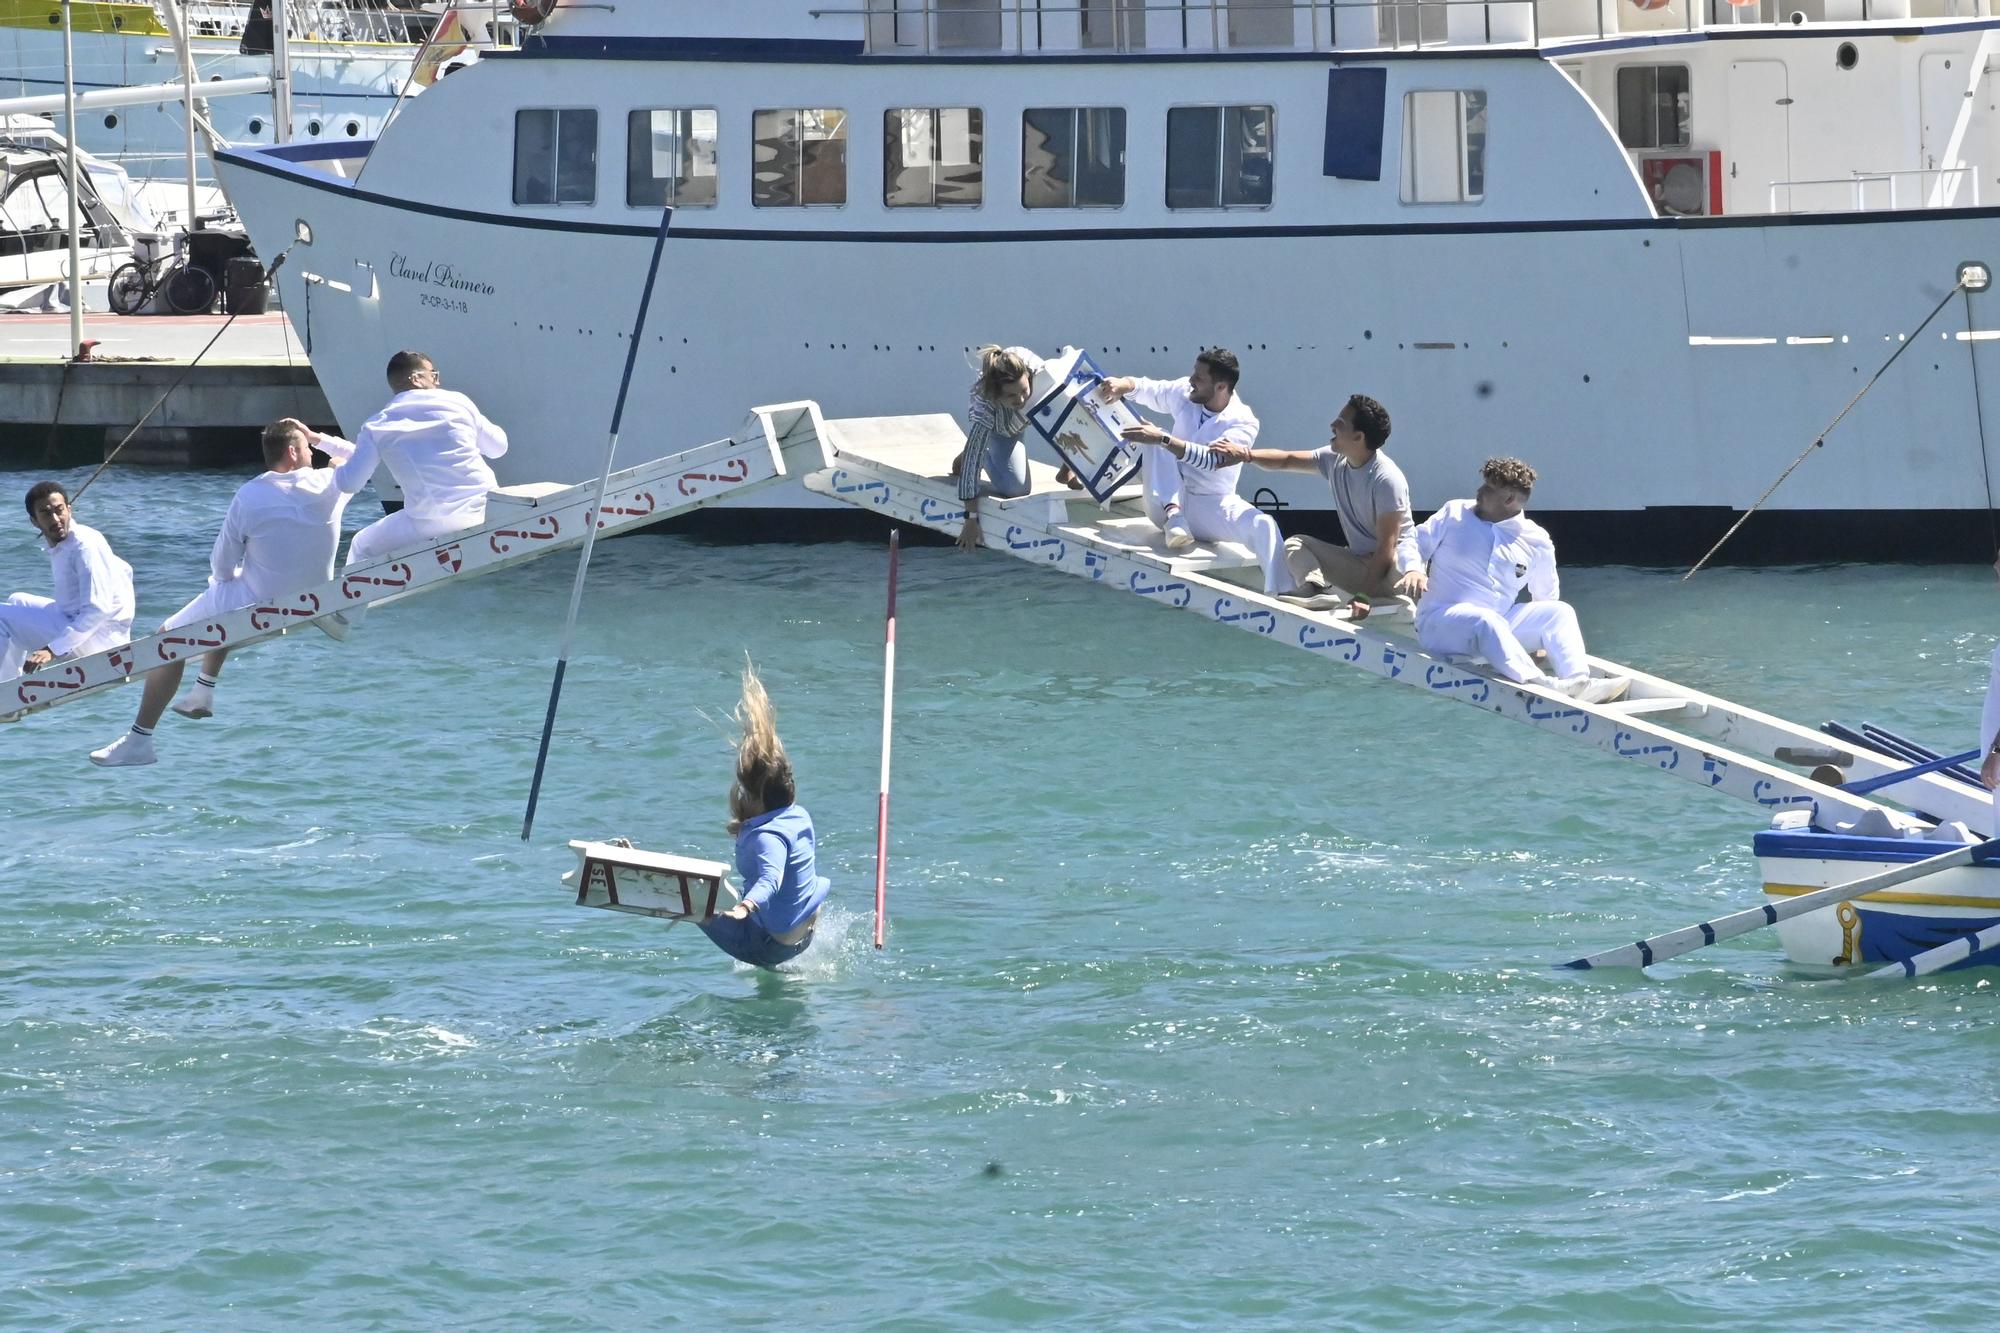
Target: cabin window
670,158
40,203
801,157
967,24
1444,147
1654,106
1073,157
1259,23
932,156
1219,156
1119,24
555,157
916,25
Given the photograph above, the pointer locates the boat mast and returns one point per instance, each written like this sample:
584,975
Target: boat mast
281,74
75,239
176,12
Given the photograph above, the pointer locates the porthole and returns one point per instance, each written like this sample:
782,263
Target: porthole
1847,57
111,122
312,128
256,126
354,129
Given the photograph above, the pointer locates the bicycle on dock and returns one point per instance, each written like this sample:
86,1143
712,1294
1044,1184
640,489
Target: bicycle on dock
189,288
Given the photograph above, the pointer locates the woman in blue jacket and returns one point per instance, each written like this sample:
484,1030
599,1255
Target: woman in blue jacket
782,889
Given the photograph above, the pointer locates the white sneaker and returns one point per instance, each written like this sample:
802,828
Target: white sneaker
128,750
1310,598
1178,536
197,703
1596,689
335,626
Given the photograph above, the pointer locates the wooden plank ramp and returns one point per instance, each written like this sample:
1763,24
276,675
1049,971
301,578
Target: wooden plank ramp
898,467
523,523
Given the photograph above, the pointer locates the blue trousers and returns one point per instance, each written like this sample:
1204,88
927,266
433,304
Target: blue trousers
1006,467
747,942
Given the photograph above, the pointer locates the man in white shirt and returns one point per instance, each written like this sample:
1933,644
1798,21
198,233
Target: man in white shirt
278,539
436,443
92,608
1373,500
1479,554
1190,489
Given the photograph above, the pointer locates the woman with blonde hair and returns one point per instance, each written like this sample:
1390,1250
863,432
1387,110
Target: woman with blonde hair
782,889
996,419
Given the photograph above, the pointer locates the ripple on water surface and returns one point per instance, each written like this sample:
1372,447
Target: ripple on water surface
1217,990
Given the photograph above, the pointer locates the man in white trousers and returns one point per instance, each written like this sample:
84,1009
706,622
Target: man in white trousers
1479,554
278,539
1190,490
436,443
92,608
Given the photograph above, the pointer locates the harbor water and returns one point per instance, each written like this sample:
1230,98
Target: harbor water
1217,991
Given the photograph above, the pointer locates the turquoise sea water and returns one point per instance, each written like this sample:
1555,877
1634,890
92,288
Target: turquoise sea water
1217,991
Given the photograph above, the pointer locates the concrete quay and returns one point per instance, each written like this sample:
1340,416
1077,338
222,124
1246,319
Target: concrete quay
57,412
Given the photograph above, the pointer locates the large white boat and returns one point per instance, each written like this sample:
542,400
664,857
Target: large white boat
350,60
1653,250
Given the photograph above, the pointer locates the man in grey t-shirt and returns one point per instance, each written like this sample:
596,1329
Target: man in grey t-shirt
1373,500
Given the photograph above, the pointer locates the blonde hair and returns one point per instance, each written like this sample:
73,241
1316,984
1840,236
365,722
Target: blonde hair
763,770
998,368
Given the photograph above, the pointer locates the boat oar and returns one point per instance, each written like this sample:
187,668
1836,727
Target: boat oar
1877,783
1939,957
590,531
1702,934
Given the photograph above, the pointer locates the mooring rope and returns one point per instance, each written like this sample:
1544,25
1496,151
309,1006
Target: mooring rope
1819,441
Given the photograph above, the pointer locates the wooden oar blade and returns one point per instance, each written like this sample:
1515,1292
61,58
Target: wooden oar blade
1644,953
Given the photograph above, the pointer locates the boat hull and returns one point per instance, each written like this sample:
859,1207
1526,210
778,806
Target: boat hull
529,320
1881,928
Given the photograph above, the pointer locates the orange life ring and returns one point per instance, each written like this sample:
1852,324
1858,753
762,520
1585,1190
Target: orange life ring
533,11
1651,4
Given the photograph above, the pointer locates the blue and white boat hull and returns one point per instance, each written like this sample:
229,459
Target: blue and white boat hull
1891,926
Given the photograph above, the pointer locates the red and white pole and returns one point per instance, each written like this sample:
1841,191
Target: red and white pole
882,800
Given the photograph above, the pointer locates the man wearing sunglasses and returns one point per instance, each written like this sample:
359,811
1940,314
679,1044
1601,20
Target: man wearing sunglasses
1373,500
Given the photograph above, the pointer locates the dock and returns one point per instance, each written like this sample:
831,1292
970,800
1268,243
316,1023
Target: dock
55,412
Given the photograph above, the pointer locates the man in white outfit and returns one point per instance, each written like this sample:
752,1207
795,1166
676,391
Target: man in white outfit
1190,489
436,443
1479,554
92,608
278,539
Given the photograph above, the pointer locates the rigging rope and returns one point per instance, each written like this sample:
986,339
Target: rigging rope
1819,441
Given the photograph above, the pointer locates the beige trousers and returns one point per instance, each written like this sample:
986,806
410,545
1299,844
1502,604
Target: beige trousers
1316,561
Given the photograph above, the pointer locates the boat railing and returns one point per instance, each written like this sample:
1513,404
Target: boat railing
932,27
1869,191
314,21
490,22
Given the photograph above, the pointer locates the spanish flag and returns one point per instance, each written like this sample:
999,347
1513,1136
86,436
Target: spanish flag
449,39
